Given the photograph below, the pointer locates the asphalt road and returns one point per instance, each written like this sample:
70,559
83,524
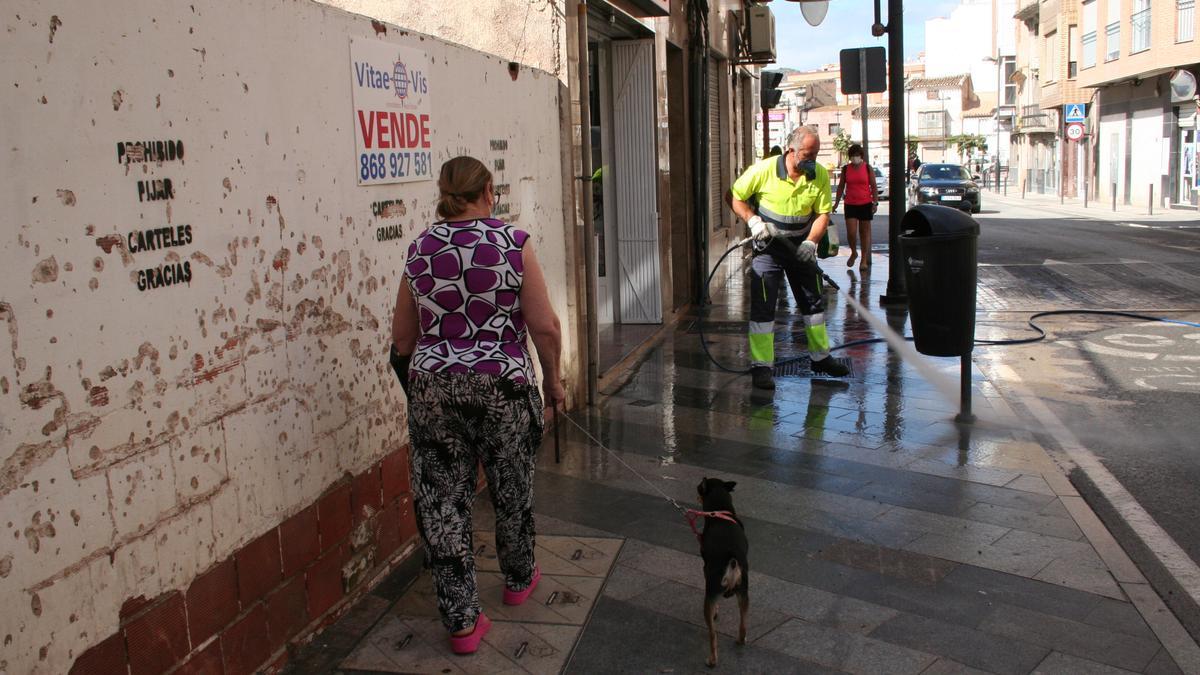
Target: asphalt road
1128,390
1026,235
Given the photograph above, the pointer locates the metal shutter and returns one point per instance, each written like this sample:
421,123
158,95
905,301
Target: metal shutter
717,182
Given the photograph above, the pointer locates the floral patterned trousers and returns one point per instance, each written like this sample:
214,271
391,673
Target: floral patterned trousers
456,422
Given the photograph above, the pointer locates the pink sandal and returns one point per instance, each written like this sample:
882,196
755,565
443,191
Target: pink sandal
518,597
469,643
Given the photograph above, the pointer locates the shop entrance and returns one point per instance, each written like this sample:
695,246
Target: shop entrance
624,185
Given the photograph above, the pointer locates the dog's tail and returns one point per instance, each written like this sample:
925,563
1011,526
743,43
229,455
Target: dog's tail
732,577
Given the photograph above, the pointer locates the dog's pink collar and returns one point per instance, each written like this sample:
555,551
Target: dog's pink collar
692,515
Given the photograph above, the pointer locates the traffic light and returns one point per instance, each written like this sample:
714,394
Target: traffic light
769,92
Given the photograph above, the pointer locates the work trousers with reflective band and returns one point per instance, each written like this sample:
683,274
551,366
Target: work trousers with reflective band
456,422
767,272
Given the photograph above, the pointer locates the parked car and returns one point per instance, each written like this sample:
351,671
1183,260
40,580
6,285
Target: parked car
948,185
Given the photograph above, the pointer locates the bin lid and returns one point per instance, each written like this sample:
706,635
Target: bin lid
932,220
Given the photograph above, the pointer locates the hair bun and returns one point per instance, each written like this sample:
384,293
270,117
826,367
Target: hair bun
462,180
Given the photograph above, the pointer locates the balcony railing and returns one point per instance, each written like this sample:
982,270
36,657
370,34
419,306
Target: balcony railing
932,124
1112,41
1037,121
1140,28
1185,20
931,131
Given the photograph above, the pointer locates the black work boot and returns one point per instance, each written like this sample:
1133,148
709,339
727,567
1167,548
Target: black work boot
831,367
763,379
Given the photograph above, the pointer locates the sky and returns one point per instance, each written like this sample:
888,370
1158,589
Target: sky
848,24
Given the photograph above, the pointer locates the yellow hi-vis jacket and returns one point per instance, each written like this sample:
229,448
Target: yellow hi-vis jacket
789,206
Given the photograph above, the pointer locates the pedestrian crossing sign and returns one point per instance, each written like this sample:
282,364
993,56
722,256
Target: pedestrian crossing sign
1073,112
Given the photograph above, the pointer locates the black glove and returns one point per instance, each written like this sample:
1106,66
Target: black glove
400,366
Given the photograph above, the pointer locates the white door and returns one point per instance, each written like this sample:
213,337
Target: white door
635,182
1187,165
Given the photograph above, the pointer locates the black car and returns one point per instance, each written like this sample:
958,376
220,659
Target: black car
948,185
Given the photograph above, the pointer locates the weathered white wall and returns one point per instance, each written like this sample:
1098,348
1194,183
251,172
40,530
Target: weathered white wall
146,434
528,32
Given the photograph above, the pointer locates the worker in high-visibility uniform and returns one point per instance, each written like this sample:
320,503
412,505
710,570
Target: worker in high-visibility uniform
786,201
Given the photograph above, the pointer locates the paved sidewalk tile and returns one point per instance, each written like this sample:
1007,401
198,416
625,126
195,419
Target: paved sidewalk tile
1091,642
848,652
883,537
535,637
975,648
625,638
1064,664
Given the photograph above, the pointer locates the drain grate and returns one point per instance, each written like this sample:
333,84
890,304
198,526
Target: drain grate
803,368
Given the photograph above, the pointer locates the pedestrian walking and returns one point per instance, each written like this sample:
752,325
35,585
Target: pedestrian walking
862,201
786,201
472,291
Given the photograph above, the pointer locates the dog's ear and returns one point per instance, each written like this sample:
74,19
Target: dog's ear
729,485
702,487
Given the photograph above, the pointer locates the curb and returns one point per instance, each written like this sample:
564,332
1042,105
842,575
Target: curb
1169,607
1096,211
1185,608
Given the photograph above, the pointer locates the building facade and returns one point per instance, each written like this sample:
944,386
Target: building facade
815,98
933,115
1142,138
205,450
1037,139
978,39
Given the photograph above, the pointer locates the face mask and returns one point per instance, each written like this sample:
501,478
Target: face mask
808,167
856,160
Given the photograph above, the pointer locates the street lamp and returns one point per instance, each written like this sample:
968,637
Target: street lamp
907,116
942,98
998,59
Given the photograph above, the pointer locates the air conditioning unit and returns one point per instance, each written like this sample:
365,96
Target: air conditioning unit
761,32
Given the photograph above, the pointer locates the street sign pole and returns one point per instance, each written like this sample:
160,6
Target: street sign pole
766,132
896,293
862,78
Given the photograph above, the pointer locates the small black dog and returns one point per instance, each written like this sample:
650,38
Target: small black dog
723,546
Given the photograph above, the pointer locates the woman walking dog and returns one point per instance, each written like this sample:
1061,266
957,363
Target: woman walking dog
472,291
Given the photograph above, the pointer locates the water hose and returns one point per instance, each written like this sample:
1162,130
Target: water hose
1032,322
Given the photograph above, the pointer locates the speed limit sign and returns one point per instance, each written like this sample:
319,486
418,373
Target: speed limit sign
1074,131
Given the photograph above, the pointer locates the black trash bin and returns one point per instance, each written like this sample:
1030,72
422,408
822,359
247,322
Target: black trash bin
939,248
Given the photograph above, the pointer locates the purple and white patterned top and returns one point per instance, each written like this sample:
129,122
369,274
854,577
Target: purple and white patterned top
466,277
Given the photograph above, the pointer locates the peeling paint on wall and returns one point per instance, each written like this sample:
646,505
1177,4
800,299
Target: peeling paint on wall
46,271
191,367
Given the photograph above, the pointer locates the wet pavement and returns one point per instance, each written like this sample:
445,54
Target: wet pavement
1121,393
883,536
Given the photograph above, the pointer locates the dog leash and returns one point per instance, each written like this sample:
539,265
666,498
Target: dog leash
690,515
557,437
625,464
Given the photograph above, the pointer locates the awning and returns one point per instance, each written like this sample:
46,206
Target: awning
644,8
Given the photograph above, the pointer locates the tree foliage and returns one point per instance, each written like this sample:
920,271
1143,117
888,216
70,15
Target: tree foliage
841,143
968,144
